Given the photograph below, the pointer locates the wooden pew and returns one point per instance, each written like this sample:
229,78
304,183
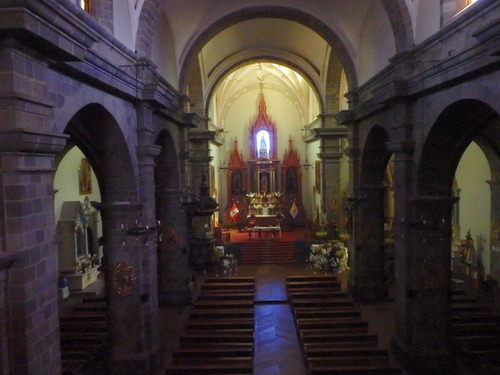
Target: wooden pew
239,368
325,312
221,313
320,339
212,324
224,304
319,369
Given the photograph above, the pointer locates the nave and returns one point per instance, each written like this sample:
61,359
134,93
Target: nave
277,349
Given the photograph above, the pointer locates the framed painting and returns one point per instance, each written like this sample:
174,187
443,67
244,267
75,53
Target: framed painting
84,177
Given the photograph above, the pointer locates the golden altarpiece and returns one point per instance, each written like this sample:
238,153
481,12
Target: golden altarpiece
264,186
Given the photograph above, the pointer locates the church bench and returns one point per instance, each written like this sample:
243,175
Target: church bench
221,313
315,290
353,361
224,304
293,285
228,286
323,302
89,317
83,338
240,368
325,312
467,307
213,352
318,369
332,353
231,279
311,340
310,278
300,294
478,343
226,296
457,299
200,324
97,326
216,345
91,307
223,360
475,317
472,328
334,331
330,323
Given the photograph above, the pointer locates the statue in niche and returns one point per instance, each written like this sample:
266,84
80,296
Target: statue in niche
291,181
263,149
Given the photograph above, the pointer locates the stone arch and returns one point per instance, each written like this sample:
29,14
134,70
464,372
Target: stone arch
442,150
94,130
308,77
400,19
375,157
295,15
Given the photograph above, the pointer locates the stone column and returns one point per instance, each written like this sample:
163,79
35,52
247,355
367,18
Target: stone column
369,233
200,165
430,348
332,152
26,183
130,268
6,260
403,162
173,272
495,223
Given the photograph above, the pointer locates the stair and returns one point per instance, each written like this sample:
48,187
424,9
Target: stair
267,252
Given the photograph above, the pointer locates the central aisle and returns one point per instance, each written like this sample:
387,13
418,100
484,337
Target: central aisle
277,349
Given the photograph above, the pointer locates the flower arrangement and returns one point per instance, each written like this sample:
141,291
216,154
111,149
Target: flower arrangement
331,256
227,263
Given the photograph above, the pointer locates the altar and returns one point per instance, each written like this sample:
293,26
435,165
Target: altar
262,184
264,232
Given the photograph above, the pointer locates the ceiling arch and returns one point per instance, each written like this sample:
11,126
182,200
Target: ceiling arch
246,58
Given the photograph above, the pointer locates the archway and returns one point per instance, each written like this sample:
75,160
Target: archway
430,237
101,140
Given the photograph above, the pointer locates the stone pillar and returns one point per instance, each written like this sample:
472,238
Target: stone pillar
200,164
332,152
495,222
6,260
173,271
403,163
26,183
430,347
369,255
130,268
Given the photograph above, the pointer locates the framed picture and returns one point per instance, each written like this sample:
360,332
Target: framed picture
84,177
317,175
